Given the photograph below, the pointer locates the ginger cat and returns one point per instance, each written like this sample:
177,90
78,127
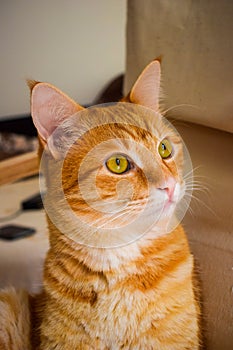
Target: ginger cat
115,276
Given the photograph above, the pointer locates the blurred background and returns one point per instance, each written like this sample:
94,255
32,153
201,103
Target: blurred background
77,45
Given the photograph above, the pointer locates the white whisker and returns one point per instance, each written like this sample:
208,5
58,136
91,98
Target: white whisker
180,105
202,203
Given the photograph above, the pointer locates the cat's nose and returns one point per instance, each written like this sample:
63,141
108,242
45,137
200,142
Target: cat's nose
169,186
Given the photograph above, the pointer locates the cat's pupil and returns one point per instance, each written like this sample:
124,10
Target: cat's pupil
164,147
118,161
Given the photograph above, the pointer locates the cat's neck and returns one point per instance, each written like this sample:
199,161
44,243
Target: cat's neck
105,260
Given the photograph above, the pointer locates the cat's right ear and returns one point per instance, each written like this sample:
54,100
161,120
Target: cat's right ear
49,107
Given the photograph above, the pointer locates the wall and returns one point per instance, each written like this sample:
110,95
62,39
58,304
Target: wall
78,45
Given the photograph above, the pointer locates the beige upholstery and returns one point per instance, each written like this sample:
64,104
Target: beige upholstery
210,229
195,41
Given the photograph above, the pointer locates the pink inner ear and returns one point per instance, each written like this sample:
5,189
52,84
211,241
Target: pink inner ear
49,108
147,87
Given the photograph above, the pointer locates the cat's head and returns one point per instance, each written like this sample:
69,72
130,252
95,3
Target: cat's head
114,172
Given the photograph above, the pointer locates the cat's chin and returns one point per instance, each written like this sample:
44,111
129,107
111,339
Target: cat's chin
169,208
167,217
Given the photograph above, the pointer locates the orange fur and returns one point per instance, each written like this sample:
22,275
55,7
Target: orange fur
15,320
138,296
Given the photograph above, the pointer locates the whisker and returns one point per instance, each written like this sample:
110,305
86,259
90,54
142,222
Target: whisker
180,105
125,213
195,187
192,171
128,201
202,203
190,210
101,204
199,185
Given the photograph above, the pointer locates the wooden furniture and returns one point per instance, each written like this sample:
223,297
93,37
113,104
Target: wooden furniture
18,167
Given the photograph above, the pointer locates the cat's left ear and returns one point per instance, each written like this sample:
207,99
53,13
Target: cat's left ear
146,90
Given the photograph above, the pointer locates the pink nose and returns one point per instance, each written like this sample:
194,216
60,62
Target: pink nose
169,186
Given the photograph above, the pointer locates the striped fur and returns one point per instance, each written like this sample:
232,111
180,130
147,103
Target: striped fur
143,303
138,296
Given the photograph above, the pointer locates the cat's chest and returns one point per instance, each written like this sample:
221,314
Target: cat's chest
111,313
112,318
117,315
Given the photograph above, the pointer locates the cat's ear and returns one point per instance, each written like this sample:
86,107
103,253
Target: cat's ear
49,107
146,90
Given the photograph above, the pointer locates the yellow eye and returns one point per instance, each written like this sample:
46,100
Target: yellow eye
165,149
118,164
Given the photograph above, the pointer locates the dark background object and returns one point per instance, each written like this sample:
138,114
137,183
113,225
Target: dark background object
12,232
34,202
20,125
